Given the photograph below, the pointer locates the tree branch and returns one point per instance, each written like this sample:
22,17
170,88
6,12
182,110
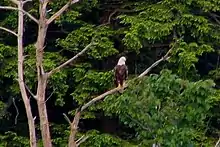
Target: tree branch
16,117
67,118
75,122
217,143
26,13
50,96
70,60
58,13
24,2
81,140
99,98
10,31
166,57
28,89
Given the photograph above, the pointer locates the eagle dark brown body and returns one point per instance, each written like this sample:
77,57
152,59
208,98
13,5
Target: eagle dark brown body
121,72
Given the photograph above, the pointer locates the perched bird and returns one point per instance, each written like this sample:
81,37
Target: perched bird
121,73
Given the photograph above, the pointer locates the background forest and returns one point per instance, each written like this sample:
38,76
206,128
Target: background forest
176,104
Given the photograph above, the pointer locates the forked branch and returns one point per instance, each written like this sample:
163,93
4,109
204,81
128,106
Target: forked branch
8,30
58,13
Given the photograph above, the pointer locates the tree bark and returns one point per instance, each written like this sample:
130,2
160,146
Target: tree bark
25,98
42,77
73,129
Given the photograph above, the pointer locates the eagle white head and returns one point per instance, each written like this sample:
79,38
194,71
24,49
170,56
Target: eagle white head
121,61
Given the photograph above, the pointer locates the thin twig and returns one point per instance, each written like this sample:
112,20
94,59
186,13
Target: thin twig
31,67
58,13
31,93
8,30
67,118
70,60
16,117
26,13
50,96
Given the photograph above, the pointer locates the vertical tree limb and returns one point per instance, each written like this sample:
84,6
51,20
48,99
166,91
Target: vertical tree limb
32,133
41,76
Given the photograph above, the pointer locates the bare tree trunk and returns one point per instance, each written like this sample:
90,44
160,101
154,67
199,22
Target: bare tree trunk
44,123
42,77
21,77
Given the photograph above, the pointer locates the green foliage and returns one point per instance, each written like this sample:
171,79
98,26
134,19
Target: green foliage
165,109
80,38
185,56
91,83
11,139
97,139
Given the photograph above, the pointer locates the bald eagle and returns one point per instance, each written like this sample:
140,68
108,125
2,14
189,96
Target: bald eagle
121,72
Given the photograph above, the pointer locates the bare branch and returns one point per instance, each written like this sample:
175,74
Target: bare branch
99,98
217,143
58,13
16,117
82,139
166,57
26,13
8,30
67,118
50,96
70,60
112,91
28,89
24,2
